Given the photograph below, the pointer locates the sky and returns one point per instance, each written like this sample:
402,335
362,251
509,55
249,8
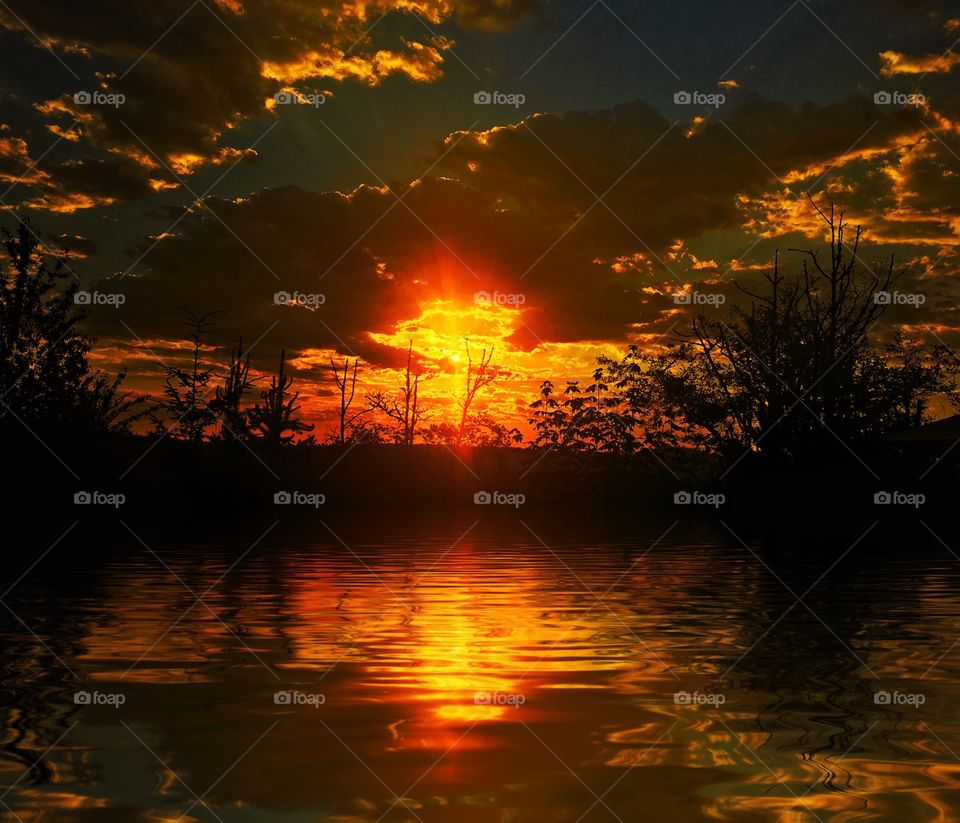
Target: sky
541,178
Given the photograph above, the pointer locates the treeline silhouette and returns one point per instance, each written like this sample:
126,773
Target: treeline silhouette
796,370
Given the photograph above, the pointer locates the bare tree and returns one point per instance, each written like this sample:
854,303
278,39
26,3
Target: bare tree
478,376
347,385
406,410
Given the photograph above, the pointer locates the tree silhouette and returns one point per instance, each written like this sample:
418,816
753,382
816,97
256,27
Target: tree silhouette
274,418
343,381
229,401
405,410
793,368
185,390
44,374
478,376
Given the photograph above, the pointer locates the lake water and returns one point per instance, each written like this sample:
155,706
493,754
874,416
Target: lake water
517,670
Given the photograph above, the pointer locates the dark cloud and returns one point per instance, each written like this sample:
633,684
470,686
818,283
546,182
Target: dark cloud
511,210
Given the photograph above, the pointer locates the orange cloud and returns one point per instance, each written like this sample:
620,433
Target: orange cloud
895,62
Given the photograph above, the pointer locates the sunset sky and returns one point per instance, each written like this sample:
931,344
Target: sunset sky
583,197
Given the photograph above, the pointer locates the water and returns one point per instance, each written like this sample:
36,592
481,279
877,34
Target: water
511,671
